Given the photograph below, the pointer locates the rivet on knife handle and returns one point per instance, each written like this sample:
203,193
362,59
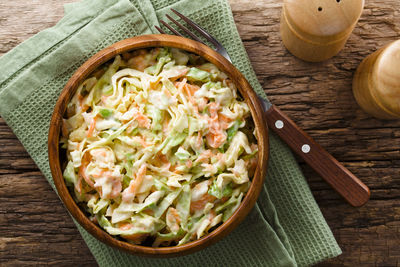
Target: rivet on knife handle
333,172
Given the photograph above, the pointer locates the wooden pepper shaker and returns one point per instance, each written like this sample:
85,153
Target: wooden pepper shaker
376,84
316,30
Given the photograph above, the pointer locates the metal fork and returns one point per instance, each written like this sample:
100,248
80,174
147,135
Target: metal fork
335,174
218,46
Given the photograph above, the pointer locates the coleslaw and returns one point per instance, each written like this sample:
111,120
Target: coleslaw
160,147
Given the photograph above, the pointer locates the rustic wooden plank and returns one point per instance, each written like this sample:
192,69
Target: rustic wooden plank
36,229
20,20
319,98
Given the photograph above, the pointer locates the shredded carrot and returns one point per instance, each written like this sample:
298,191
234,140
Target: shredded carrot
212,213
125,226
139,178
153,85
82,169
134,237
175,214
141,140
178,172
148,212
224,121
135,184
180,74
143,120
220,156
201,203
204,156
78,185
181,84
216,137
165,124
91,127
213,119
116,188
199,139
101,173
166,92
191,100
224,199
192,88
213,108
163,158
215,140
252,165
189,163
172,168
138,62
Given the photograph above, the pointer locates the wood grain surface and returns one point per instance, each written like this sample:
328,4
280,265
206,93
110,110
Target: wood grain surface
36,229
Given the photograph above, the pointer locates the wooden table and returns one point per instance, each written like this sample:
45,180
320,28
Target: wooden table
36,229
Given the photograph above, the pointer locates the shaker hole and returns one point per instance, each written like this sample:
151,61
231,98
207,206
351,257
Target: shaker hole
338,1
320,9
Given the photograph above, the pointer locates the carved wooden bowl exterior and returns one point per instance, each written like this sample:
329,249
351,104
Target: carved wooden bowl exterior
146,41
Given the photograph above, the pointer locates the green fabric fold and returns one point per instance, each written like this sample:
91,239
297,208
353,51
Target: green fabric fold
286,227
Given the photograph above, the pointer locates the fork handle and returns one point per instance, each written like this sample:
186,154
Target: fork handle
355,192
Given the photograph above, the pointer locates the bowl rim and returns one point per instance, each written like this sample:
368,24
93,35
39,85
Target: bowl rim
147,41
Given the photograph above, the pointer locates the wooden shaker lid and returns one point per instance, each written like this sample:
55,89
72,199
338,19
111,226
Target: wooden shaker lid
323,21
386,78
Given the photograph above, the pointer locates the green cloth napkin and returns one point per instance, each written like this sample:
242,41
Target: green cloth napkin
286,227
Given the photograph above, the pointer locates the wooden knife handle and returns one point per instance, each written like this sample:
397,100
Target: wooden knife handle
335,174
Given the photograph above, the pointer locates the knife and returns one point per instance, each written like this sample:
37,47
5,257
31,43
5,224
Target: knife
352,189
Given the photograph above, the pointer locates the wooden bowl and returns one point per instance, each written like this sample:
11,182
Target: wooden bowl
147,41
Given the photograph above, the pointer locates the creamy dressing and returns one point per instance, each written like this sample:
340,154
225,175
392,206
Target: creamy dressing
157,148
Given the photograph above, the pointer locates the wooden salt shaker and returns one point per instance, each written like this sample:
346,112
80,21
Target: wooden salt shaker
316,30
376,84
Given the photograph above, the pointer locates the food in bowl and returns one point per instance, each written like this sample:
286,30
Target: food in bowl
160,147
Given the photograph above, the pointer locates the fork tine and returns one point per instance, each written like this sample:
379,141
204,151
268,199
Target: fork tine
199,29
159,29
183,28
170,28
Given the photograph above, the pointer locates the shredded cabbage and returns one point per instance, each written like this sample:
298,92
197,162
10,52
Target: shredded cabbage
160,146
